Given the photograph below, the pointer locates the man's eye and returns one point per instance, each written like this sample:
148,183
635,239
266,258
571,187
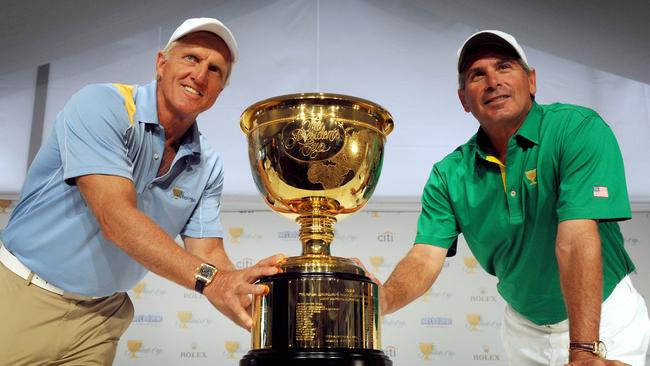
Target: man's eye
190,58
506,66
476,75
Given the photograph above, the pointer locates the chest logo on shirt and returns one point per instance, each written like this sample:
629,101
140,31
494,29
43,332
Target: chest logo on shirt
531,175
178,193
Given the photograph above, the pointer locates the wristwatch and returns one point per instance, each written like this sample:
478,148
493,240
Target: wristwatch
597,348
204,275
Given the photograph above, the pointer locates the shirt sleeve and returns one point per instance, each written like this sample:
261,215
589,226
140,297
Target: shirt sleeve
205,221
591,174
91,134
437,223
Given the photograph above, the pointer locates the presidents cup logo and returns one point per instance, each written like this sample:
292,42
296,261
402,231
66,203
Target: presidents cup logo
429,351
473,320
235,232
313,138
4,205
231,348
376,262
431,293
238,233
133,345
142,290
179,193
135,349
137,290
186,318
391,321
470,264
476,323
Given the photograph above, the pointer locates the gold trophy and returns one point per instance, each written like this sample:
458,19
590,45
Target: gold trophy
316,158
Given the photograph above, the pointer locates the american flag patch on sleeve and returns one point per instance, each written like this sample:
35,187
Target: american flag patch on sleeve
601,191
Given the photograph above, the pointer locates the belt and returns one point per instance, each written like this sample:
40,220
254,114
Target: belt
16,266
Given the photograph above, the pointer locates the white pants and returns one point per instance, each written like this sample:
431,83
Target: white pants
624,327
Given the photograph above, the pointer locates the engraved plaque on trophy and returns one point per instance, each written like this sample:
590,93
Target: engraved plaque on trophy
316,158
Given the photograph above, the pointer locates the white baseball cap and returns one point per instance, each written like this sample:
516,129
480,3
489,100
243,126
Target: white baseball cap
209,25
485,39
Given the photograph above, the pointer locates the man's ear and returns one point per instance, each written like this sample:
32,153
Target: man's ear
461,96
532,82
160,63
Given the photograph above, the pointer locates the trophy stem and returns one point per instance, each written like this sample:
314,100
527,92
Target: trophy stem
317,224
316,234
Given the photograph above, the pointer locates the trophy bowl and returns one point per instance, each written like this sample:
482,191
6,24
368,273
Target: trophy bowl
316,158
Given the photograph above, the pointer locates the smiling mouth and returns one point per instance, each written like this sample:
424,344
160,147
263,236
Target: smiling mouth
191,90
496,99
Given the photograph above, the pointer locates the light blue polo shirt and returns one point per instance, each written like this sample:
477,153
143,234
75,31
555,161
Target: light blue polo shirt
109,129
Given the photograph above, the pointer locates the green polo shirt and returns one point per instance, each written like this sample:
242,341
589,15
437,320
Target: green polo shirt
563,163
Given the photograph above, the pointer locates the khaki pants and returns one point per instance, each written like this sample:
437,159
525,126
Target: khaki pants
38,327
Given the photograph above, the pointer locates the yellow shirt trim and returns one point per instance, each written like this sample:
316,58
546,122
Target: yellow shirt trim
127,93
502,167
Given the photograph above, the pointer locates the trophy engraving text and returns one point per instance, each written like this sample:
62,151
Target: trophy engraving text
312,139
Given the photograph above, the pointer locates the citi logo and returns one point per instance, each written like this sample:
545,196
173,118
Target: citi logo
244,263
386,237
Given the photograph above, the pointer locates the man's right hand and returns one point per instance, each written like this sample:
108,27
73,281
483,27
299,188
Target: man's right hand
230,291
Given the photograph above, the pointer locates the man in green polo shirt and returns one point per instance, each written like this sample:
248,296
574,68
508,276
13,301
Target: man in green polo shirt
536,194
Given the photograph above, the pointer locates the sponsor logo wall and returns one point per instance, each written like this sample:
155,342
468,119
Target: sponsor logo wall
455,323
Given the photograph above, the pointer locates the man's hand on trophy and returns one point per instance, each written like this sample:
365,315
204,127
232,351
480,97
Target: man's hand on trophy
230,291
382,292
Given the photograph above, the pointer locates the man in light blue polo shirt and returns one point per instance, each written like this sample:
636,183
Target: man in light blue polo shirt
124,172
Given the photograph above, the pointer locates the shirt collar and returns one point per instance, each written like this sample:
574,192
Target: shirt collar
529,130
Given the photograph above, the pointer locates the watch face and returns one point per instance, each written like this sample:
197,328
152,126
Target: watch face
601,350
206,271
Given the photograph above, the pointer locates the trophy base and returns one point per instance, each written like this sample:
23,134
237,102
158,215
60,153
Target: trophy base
315,357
